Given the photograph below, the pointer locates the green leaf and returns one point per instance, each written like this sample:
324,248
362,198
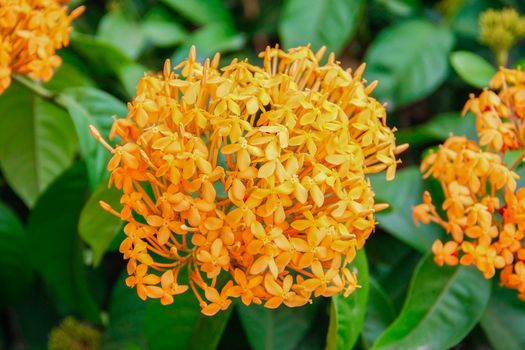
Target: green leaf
503,320
121,31
347,315
37,142
280,329
400,8
56,248
410,60
183,320
331,23
379,312
442,306
202,11
402,193
97,227
67,76
15,270
439,128
472,68
160,28
520,63
126,318
209,39
108,60
89,106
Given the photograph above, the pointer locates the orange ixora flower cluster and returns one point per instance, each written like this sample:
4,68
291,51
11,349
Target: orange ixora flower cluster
485,210
30,33
254,178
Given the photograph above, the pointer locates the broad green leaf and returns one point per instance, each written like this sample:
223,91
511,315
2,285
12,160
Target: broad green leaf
56,248
202,11
472,68
97,227
442,306
279,329
401,194
379,312
89,106
106,59
15,269
161,29
410,60
67,76
396,280
210,39
503,320
121,31
439,128
329,22
126,318
183,320
400,8
347,315
37,142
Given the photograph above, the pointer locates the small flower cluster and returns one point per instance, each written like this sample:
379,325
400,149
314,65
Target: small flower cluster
485,210
251,178
30,33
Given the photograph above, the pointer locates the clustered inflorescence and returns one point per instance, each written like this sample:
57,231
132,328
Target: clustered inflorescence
30,33
484,209
249,181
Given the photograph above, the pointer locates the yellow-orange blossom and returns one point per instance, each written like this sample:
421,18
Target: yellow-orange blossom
254,173
30,32
485,211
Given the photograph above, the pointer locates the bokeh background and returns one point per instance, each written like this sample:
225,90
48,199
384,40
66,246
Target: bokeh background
60,270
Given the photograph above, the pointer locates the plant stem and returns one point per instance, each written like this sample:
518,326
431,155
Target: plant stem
34,87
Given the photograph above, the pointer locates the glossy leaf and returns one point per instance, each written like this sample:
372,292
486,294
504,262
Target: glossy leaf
347,315
106,59
97,227
331,23
408,70
442,306
439,128
120,30
210,39
56,248
202,11
379,312
503,320
89,106
472,68
183,319
401,195
126,318
161,29
37,142
15,270
279,329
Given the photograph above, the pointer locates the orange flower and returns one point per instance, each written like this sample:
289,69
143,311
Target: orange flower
252,174
485,212
445,254
30,33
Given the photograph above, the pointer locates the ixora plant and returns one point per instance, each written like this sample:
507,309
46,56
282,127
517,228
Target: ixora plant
253,179
484,209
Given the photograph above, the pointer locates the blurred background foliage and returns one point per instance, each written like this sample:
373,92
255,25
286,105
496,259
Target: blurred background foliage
59,252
